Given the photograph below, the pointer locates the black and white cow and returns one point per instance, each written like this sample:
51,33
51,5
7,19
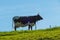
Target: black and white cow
24,21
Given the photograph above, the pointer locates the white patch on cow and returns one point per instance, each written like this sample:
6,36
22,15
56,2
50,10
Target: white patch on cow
19,24
32,24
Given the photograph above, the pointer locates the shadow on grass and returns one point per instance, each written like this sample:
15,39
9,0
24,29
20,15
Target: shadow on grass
45,38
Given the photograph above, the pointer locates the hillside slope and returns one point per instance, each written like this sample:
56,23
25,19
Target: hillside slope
45,34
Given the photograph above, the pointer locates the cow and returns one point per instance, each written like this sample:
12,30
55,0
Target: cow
23,21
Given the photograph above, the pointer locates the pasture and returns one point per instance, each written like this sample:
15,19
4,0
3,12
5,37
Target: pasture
41,34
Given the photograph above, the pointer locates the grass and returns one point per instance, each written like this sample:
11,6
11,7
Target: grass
44,34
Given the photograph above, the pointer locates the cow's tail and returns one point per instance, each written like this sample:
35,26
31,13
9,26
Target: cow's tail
12,24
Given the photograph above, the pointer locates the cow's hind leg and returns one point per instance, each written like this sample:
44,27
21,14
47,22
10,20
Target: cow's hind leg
15,28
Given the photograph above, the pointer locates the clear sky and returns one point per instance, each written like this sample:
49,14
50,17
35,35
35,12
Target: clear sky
48,9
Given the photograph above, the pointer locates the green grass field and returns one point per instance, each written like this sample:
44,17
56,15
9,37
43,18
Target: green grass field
44,34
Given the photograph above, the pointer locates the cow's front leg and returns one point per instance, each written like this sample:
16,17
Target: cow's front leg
29,27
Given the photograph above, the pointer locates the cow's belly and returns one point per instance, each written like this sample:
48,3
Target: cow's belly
32,24
19,24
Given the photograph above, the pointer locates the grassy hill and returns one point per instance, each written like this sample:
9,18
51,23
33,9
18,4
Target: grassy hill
44,34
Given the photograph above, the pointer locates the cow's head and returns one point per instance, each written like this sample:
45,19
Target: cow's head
39,17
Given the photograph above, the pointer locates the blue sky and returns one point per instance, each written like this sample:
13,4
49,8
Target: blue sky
48,9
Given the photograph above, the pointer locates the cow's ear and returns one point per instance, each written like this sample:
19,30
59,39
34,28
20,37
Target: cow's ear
38,13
